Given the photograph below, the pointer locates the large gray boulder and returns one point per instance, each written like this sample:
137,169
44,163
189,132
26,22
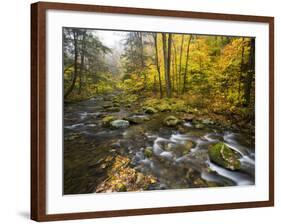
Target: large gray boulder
119,124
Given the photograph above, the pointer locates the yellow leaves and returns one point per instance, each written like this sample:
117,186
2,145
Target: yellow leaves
123,178
152,180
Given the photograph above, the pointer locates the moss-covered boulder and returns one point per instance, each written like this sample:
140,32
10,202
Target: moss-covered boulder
119,124
224,156
171,121
106,120
149,110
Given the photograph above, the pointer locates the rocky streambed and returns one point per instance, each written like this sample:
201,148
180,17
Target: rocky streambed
112,145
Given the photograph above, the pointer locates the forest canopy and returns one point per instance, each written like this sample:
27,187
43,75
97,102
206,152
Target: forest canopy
213,73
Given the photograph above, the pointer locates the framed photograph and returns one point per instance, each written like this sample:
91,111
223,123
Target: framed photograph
144,111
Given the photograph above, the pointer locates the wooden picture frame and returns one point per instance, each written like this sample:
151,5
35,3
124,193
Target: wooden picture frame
38,109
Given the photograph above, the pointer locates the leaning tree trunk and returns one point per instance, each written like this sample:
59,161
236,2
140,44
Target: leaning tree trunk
142,59
157,64
75,37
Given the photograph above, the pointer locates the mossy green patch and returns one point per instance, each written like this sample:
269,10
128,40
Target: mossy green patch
150,110
171,121
106,121
148,152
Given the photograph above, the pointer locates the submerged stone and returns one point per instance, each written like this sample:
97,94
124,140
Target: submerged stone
137,119
224,156
119,124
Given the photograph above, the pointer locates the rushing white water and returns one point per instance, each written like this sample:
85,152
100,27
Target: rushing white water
237,177
167,155
198,157
156,148
188,124
74,126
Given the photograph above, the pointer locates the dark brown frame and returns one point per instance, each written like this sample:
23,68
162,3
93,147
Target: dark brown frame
38,110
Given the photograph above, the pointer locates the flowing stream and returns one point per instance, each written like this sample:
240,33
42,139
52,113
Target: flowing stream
87,142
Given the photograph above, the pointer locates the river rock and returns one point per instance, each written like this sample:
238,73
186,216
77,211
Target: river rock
150,110
207,121
137,119
199,126
189,117
187,146
106,106
224,156
119,124
148,152
171,121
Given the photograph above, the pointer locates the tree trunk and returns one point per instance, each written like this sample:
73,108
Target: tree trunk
186,66
180,68
175,68
169,65
165,61
250,74
157,64
241,71
82,63
75,39
142,59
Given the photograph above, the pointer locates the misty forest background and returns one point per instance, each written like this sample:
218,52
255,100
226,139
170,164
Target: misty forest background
208,73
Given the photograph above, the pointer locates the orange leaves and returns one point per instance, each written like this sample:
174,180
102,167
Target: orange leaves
123,178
